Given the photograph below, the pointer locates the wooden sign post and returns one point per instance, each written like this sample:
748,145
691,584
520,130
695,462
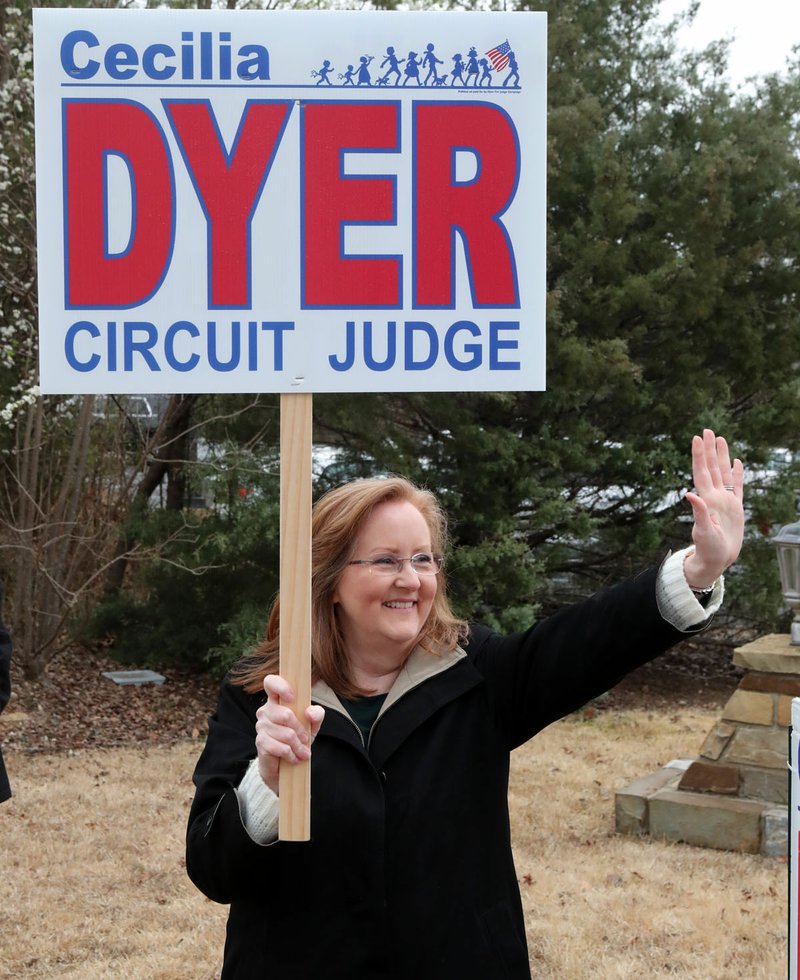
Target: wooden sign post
295,591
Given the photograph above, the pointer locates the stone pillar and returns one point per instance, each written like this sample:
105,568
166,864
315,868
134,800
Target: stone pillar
746,753
735,795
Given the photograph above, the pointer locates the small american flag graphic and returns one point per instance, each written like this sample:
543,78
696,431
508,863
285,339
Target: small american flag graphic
499,55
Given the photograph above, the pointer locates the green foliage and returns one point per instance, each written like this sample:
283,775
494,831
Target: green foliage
673,243
207,596
672,303
753,587
237,636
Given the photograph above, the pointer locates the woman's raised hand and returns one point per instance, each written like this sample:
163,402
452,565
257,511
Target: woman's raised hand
717,509
280,735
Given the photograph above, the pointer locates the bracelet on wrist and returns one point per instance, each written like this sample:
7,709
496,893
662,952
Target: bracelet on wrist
698,592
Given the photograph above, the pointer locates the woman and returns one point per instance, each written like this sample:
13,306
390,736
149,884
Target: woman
409,873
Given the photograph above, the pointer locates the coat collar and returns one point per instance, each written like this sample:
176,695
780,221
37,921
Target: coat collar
421,667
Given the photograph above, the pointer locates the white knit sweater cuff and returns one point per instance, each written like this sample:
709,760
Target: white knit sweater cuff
258,806
676,601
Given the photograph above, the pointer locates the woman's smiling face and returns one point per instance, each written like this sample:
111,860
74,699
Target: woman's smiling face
380,613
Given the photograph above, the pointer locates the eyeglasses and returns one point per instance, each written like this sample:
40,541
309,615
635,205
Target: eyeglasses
423,564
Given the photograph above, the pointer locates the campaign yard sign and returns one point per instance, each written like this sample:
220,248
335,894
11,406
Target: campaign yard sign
290,200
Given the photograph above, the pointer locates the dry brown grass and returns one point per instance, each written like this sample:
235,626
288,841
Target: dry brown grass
94,884
602,905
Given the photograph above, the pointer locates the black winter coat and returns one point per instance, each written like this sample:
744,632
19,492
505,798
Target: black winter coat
409,874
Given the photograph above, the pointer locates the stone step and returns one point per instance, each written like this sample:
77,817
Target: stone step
653,805
772,654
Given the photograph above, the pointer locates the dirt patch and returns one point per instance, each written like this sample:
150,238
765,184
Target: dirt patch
692,674
74,707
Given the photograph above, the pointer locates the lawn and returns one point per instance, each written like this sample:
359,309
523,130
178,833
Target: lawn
95,885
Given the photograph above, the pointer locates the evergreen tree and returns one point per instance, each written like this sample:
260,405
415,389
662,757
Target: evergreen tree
672,303
673,236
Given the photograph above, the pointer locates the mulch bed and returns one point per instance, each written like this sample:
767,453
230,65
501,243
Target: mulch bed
73,706
698,675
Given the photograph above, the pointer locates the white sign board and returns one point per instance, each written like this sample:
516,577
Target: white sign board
290,200
794,842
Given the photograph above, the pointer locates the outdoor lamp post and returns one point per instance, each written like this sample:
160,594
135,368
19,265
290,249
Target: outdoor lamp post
787,541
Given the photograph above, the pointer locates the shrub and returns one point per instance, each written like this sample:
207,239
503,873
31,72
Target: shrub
204,600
